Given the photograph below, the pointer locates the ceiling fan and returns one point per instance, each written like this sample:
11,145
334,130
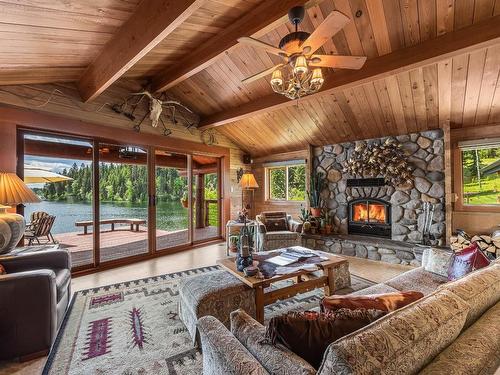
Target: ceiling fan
297,49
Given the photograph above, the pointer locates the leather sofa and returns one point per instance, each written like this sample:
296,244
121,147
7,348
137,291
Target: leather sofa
34,296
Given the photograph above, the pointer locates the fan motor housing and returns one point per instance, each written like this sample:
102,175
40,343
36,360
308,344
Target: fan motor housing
293,40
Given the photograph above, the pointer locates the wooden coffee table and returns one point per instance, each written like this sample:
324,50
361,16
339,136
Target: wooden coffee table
303,281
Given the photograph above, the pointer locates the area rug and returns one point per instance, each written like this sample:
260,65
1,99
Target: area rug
133,328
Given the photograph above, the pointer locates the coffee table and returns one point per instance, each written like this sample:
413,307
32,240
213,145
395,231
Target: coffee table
303,281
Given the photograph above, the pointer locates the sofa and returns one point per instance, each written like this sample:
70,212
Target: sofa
453,329
270,239
34,295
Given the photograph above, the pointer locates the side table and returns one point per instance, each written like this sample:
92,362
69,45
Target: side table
235,224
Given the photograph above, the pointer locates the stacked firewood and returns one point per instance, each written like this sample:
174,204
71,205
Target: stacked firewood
490,245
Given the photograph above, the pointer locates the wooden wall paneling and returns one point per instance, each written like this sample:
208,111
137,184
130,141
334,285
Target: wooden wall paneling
314,112
488,85
350,31
396,104
364,28
444,91
473,87
394,24
427,19
385,105
445,16
464,13
354,113
409,14
368,117
375,107
431,95
458,84
350,119
330,106
496,10
406,96
379,26
448,180
494,116
418,91
483,9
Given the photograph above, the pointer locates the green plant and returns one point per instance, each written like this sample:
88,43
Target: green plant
326,216
315,189
305,214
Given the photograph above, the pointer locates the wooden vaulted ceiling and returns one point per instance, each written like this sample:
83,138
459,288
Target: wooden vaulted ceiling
452,78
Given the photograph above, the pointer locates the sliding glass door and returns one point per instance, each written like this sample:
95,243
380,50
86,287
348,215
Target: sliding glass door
123,201
171,198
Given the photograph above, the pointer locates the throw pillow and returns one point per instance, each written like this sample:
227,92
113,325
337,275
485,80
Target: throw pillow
309,333
275,225
2,270
437,261
465,261
384,302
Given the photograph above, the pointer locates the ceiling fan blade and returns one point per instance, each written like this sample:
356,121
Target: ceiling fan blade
261,74
332,24
339,62
257,43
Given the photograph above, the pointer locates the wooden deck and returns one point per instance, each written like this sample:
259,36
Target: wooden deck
122,242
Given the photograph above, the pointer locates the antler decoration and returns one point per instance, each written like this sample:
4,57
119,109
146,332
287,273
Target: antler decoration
387,160
156,109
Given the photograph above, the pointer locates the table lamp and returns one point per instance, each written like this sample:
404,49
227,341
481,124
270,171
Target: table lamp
247,182
13,191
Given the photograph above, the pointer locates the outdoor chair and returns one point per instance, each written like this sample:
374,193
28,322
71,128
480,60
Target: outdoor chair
40,228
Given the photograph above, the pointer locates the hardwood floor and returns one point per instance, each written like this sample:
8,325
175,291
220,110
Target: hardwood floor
200,257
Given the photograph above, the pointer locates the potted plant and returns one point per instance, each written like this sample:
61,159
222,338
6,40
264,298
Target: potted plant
184,199
304,216
314,193
328,221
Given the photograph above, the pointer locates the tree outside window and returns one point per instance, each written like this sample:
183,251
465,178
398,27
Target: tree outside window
287,183
481,176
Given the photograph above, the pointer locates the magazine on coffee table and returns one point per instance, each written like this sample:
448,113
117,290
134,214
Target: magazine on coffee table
292,255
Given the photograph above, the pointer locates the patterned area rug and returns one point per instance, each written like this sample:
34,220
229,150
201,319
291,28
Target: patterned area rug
133,328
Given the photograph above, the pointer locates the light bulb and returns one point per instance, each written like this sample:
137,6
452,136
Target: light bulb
277,78
300,65
317,77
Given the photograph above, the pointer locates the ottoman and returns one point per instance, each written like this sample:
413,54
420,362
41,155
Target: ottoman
217,294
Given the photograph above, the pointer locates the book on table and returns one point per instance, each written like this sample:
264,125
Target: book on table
292,255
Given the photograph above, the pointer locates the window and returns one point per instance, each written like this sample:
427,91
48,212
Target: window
481,174
287,183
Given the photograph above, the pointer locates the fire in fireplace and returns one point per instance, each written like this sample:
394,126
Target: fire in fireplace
369,216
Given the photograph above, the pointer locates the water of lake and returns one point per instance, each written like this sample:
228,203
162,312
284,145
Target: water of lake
170,215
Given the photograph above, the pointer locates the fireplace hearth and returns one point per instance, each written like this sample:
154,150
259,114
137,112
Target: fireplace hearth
370,217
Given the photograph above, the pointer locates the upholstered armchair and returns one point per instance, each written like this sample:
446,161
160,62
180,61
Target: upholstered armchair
277,230
34,295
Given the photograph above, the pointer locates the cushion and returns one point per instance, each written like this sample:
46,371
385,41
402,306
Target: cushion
2,270
437,261
469,259
402,342
276,359
383,302
417,279
63,278
480,289
276,224
475,351
309,333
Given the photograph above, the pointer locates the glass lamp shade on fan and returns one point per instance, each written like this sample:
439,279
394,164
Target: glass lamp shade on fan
13,191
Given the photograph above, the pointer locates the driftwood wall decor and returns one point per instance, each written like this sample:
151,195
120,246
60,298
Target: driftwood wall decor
387,160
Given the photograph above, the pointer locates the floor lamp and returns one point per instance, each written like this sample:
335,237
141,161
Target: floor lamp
247,182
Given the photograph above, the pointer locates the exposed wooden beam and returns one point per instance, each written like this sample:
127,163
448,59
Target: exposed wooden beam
259,21
152,21
478,36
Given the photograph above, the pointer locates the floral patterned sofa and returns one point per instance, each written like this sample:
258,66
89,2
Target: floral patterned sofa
454,329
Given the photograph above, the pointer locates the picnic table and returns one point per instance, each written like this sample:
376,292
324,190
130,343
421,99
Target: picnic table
88,223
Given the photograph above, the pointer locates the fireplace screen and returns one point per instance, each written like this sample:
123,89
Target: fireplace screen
370,217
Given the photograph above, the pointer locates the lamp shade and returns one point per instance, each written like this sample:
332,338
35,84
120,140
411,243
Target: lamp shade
248,181
14,191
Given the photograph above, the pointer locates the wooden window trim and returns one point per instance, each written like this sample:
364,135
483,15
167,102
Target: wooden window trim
458,187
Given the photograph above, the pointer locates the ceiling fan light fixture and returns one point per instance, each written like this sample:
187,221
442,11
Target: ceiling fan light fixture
317,77
300,66
277,78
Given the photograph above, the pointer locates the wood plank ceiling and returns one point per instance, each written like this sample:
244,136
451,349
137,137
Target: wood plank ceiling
463,90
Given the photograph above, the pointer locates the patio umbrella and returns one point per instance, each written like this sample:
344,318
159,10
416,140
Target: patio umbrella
34,175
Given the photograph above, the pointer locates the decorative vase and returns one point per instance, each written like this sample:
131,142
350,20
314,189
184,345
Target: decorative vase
316,211
11,230
306,227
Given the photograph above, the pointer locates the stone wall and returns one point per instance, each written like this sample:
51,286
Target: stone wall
425,152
